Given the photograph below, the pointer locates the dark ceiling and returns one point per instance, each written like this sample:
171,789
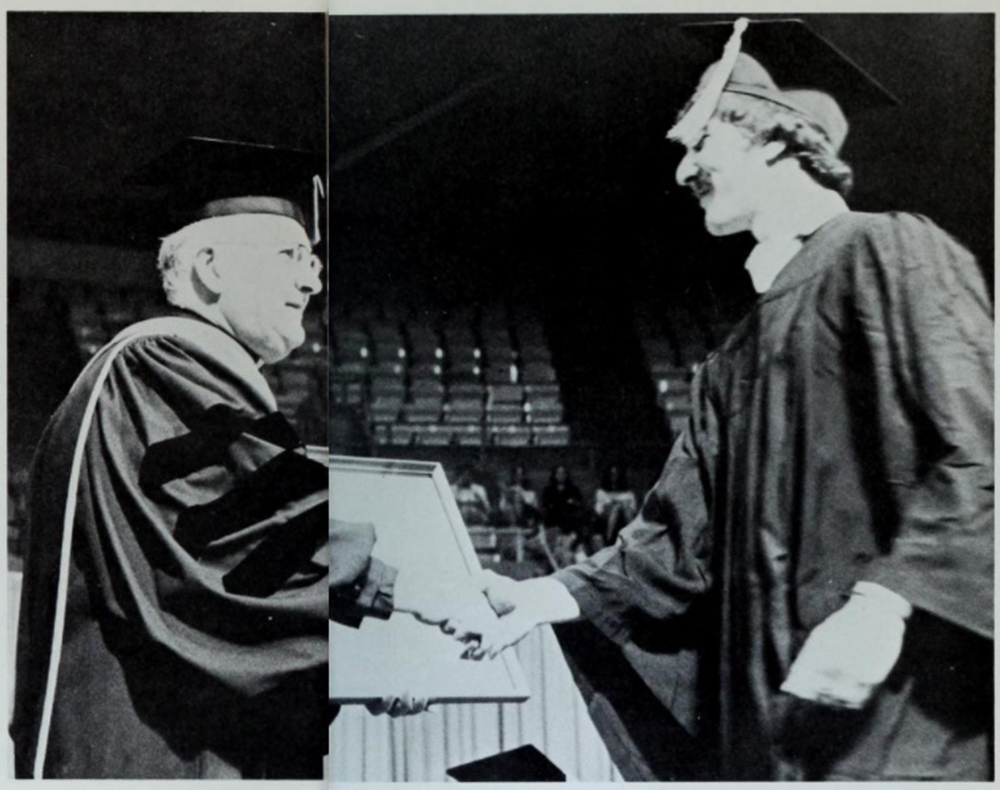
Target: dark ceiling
528,147
92,96
515,147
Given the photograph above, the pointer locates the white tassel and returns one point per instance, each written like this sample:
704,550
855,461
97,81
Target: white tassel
690,127
318,193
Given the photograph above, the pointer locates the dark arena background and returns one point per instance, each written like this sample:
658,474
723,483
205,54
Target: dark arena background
517,280
90,98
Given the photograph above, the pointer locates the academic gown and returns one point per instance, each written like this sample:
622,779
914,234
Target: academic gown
842,432
195,636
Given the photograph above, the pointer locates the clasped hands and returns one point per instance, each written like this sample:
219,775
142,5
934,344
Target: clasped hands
487,612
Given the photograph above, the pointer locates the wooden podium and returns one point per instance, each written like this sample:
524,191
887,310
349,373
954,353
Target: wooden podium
420,532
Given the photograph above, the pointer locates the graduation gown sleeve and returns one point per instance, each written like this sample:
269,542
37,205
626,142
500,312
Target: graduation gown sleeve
661,561
660,569
925,318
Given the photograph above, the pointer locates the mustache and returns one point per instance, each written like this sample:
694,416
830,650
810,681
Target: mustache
700,184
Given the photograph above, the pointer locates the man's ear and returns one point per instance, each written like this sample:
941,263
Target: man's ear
773,151
207,272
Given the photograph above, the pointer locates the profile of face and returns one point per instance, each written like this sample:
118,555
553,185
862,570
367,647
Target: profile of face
263,279
726,171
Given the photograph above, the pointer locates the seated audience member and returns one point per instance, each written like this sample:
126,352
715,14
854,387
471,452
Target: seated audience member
562,502
473,502
566,516
518,500
614,504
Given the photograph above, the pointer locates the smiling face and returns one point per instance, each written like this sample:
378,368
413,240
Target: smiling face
725,170
265,279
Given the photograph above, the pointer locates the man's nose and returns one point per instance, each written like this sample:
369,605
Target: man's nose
687,169
310,279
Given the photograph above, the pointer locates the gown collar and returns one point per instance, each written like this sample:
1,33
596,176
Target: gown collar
769,257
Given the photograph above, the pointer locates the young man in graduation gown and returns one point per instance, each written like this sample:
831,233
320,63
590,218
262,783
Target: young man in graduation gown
175,604
810,582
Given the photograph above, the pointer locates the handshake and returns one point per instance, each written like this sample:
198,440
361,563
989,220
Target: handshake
487,612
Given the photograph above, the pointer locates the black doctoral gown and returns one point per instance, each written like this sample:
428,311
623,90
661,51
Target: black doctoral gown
843,432
189,529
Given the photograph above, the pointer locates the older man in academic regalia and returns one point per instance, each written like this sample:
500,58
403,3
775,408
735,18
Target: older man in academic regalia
174,614
809,585
178,577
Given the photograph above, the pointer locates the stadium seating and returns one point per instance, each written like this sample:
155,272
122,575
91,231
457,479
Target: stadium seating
461,379
672,349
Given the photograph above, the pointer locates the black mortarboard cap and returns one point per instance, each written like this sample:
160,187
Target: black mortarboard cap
524,764
786,62
202,177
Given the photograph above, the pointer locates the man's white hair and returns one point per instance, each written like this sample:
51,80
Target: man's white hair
174,263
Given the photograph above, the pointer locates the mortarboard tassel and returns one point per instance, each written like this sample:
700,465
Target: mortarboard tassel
689,128
318,193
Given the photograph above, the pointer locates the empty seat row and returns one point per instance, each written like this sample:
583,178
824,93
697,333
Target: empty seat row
435,435
420,342
500,404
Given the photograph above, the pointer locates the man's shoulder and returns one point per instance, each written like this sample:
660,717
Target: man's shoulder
889,245
894,228
181,342
183,330
906,259
178,354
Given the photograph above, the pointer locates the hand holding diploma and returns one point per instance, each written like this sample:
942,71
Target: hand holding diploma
431,578
430,601
396,706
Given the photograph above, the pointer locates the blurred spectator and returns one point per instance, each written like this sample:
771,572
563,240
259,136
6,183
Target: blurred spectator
562,503
473,502
519,501
614,504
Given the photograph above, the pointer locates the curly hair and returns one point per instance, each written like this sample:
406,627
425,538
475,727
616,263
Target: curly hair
804,141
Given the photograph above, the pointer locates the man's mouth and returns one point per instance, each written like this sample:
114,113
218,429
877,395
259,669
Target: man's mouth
701,188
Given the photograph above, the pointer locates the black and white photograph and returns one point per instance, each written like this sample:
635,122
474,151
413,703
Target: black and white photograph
695,313
166,370
626,379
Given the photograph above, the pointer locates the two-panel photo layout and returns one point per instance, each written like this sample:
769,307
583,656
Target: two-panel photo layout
499,397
